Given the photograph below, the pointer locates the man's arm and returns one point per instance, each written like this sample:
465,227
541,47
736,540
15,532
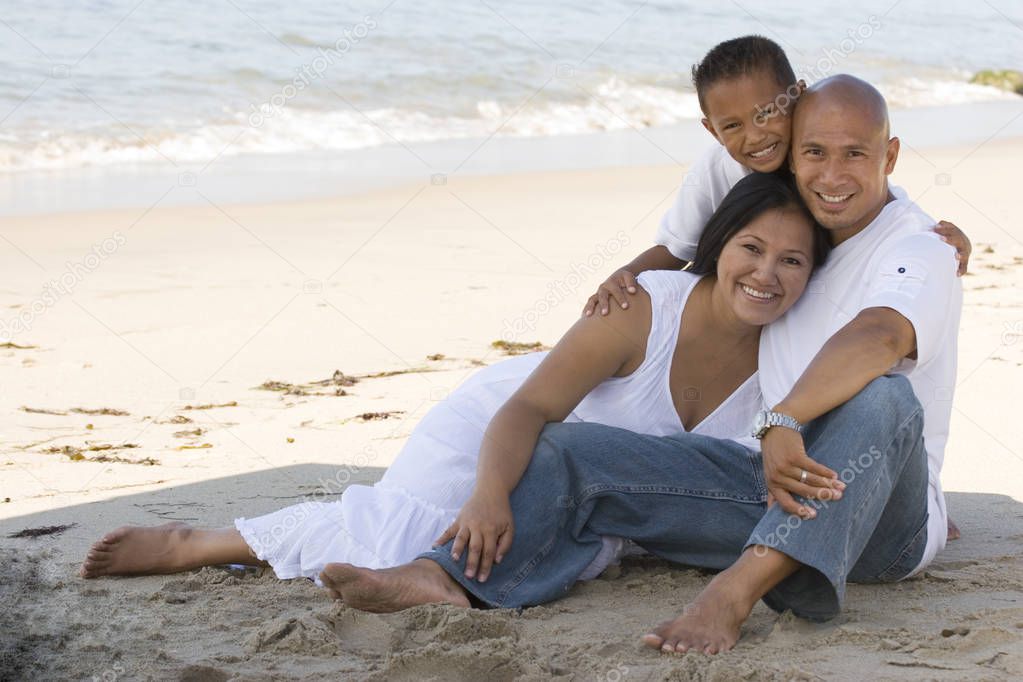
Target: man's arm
857,354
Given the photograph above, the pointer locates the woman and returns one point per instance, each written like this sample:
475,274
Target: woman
683,356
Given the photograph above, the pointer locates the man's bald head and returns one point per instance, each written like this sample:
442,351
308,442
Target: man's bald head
842,153
850,95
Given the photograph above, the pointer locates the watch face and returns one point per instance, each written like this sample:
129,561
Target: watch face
760,421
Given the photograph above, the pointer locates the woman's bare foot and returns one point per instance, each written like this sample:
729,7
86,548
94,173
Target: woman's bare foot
953,530
393,589
170,548
709,625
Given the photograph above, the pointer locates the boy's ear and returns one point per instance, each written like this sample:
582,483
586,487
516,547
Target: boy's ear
710,129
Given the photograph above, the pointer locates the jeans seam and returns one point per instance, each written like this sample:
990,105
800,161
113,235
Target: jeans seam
882,576
590,491
523,573
877,482
887,448
758,478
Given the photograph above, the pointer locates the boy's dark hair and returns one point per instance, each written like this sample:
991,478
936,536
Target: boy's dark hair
745,56
747,200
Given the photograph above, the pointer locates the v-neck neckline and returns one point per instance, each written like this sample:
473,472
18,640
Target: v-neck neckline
671,364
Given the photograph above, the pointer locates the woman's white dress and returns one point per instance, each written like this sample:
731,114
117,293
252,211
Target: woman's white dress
398,518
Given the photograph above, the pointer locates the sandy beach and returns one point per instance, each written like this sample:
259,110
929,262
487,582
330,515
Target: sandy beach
201,363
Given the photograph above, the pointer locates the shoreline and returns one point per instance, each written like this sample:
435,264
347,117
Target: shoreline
295,177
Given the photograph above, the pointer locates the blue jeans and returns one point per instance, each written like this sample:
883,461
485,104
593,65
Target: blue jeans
701,501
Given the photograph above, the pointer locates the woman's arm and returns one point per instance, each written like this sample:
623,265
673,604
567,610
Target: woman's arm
594,349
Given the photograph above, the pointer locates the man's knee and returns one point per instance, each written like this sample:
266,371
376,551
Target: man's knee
889,395
893,390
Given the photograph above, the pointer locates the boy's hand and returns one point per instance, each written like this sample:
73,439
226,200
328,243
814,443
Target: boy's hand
617,286
485,524
950,234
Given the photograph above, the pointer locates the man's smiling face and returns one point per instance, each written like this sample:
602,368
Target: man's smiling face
842,154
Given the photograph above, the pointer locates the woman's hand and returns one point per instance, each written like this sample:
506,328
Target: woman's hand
618,286
785,459
485,525
950,234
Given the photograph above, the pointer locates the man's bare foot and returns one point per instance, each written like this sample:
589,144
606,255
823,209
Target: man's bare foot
953,530
135,550
709,625
393,589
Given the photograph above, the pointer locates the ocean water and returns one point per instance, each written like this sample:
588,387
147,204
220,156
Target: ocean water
117,83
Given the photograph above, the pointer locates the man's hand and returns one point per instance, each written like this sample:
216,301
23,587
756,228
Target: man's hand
785,459
485,524
618,286
950,234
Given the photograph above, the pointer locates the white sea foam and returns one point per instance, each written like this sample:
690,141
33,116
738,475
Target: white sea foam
613,105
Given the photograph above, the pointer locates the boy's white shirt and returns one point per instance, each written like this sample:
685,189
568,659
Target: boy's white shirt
896,262
703,188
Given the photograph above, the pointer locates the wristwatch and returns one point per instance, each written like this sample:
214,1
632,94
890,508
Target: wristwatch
765,419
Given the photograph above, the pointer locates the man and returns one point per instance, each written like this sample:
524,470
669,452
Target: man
787,528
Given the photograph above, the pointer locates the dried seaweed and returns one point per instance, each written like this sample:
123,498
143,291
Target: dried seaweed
374,416
100,410
517,348
210,406
41,410
42,530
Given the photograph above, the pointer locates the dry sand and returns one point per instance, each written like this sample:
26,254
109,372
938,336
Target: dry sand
200,306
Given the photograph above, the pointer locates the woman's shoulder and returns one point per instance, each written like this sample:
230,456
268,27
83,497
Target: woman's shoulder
667,284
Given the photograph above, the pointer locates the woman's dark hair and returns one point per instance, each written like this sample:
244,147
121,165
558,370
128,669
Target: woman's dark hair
745,56
747,200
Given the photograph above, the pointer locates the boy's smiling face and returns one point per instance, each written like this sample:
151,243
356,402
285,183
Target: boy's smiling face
744,115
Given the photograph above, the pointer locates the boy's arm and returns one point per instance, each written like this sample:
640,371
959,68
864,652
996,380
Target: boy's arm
623,282
950,234
680,228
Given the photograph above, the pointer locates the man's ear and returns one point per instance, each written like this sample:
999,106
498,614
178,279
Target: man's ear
891,155
800,87
710,129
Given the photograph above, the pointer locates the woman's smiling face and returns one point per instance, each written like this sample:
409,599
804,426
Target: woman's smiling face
763,270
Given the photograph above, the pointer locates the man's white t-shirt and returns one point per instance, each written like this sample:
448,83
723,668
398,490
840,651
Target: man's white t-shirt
896,262
703,188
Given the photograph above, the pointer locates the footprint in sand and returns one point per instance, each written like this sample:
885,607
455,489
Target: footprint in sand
306,635
441,623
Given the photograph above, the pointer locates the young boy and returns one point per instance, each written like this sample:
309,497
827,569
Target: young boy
747,90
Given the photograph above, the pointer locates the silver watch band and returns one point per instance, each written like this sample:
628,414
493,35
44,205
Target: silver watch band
779,419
